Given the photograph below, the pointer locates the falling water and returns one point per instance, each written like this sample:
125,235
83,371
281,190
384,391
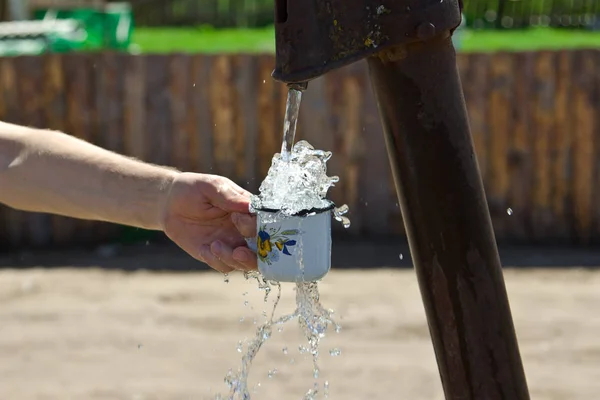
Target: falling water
296,180
292,109
314,321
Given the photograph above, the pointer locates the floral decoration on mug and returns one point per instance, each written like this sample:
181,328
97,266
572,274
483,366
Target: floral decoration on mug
272,242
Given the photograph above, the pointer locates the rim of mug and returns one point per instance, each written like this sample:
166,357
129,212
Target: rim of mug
302,213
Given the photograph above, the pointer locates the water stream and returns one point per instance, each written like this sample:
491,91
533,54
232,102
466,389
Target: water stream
292,110
296,181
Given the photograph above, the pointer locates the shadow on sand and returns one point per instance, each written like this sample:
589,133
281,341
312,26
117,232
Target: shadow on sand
391,253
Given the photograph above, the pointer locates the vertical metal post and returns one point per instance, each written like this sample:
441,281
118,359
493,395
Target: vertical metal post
422,109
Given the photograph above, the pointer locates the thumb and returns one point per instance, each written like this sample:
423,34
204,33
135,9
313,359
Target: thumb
231,198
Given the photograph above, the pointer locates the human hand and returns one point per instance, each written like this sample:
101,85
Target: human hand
208,217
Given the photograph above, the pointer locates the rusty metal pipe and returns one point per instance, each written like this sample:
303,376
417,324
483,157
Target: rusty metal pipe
422,109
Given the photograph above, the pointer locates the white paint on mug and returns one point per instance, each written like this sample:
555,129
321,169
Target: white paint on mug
293,249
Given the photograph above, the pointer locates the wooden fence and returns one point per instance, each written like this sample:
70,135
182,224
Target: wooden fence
535,120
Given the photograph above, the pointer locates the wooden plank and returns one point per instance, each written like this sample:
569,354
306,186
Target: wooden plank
201,141
354,146
543,115
521,154
280,102
374,203
315,125
500,126
179,94
334,139
583,144
247,83
78,77
134,140
54,109
595,56
238,95
4,245
269,137
29,82
109,102
476,90
108,118
158,115
223,112
561,147
462,62
14,227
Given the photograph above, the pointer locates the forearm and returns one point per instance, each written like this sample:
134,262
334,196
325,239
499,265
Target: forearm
46,171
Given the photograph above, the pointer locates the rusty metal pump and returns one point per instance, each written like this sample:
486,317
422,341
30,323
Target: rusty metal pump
412,65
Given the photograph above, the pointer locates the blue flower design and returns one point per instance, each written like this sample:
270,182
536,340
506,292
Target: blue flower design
265,241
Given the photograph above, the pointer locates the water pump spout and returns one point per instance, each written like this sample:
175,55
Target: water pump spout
314,37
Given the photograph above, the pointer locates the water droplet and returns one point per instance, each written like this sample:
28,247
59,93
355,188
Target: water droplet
285,350
401,256
280,329
194,85
264,81
346,222
241,319
240,347
226,278
272,373
246,303
140,346
509,211
335,352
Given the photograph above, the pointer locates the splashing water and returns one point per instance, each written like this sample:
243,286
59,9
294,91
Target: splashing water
298,184
297,181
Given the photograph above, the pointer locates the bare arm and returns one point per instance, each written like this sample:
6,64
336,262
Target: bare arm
48,171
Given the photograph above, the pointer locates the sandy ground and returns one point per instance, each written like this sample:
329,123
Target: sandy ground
93,334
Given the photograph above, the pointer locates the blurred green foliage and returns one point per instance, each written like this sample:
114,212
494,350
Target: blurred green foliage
506,14
262,40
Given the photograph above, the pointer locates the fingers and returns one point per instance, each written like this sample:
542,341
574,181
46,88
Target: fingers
246,257
245,224
234,258
213,261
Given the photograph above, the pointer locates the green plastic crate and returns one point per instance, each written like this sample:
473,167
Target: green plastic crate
111,28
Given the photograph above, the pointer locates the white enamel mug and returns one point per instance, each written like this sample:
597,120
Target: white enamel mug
293,248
